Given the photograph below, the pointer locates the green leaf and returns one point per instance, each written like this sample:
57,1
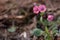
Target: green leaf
37,32
12,29
45,22
58,20
41,19
46,30
53,26
55,31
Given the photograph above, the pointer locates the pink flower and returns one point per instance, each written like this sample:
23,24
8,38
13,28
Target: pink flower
50,17
36,9
42,8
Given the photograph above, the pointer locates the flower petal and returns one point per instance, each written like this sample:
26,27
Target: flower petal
42,8
36,9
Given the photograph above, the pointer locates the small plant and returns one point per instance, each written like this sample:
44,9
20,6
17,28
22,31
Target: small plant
12,28
50,26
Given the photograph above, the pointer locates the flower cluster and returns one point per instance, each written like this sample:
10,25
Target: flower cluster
42,9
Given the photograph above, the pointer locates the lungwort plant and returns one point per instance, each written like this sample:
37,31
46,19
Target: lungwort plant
50,26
